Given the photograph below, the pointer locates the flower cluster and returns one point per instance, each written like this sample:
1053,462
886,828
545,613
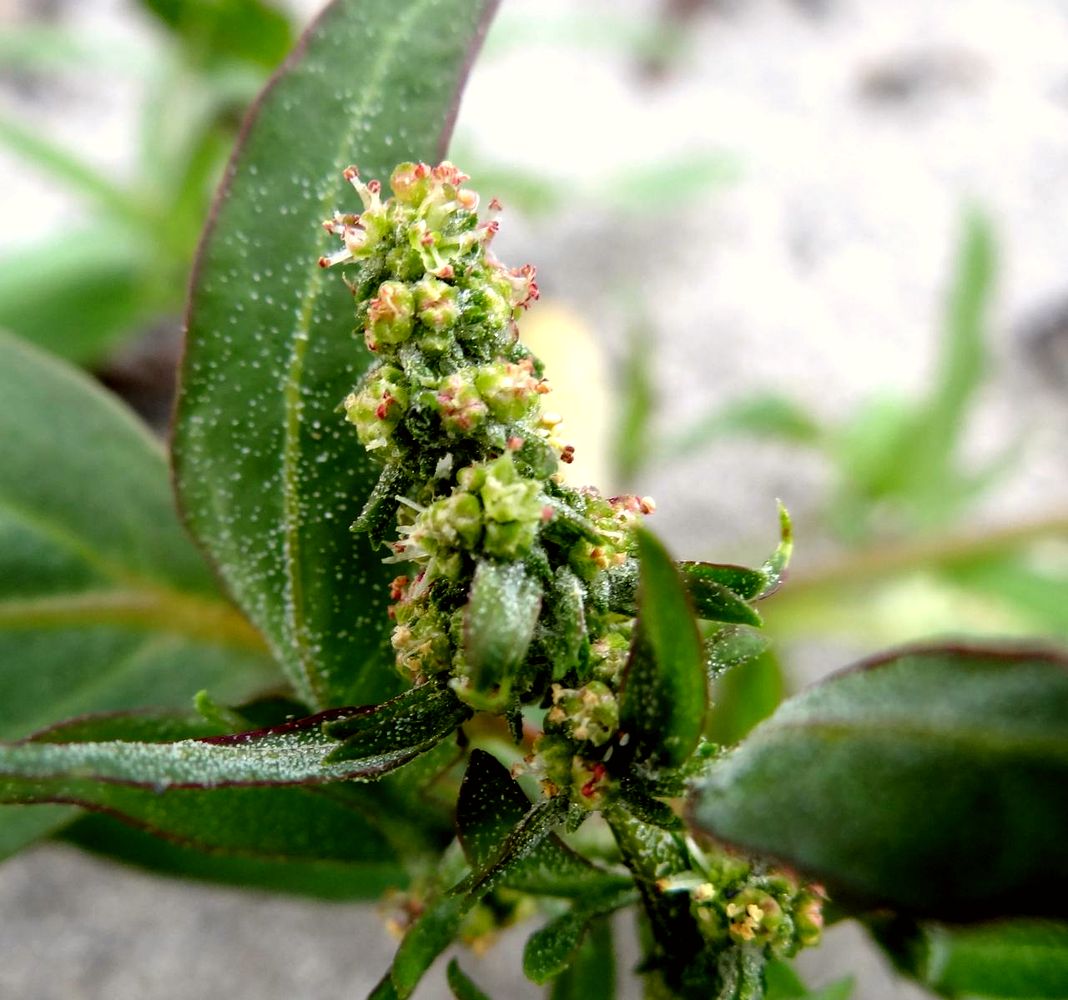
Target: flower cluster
452,408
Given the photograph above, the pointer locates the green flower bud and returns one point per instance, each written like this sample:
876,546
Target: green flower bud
460,405
389,316
436,304
552,762
590,713
808,917
510,390
513,510
754,917
378,407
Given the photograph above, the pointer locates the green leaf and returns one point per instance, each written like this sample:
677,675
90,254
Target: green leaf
763,416
100,774
745,583
462,986
781,982
414,720
259,445
499,623
592,972
491,804
549,951
104,602
241,29
929,781
714,601
745,696
104,270
252,829
328,878
637,396
664,694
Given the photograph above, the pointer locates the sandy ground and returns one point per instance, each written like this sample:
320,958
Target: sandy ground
855,132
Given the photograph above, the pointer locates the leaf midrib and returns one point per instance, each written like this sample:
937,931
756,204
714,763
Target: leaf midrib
313,683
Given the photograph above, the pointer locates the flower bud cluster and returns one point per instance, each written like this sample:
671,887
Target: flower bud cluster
452,408
742,902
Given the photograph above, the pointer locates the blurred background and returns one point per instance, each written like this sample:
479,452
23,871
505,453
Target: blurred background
808,249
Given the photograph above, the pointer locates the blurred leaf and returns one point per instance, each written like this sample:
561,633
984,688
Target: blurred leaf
665,185
962,366
745,696
929,781
664,692
1005,960
462,986
237,29
1038,591
765,416
592,972
490,806
74,174
54,48
258,440
103,269
781,982
499,622
104,602
637,396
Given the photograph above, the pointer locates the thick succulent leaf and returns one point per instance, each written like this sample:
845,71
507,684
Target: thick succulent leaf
461,984
491,804
929,781
550,950
1002,960
104,602
269,475
414,720
665,693
100,774
592,972
438,926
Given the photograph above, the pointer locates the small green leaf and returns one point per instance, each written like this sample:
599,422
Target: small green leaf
499,623
742,582
549,951
462,986
714,601
258,440
664,695
781,982
928,781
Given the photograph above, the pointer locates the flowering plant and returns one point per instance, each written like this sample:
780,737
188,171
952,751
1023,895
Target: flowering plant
451,675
